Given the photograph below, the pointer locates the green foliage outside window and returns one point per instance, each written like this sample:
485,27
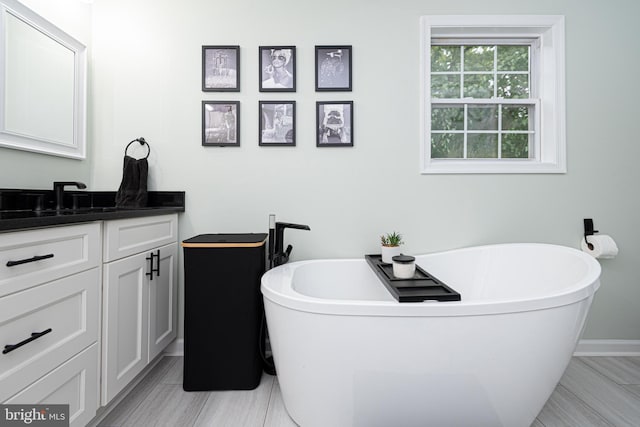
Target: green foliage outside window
482,145
478,58
513,58
445,58
480,72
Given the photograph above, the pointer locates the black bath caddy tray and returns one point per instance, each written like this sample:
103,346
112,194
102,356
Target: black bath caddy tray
421,287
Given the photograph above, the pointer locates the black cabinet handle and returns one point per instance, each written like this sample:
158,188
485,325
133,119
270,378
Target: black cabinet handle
150,259
28,260
158,263
34,336
151,269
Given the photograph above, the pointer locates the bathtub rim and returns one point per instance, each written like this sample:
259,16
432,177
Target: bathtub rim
291,299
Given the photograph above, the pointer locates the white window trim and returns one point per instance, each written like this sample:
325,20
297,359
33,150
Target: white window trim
550,82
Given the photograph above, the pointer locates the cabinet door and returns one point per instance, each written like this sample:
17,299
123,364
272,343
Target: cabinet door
125,322
163,294
74,383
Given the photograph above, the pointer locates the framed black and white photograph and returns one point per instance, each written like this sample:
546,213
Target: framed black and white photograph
221,123
334,124
333,68
277,68
277,123
221,68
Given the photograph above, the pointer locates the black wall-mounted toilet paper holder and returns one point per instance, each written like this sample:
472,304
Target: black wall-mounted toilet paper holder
588,231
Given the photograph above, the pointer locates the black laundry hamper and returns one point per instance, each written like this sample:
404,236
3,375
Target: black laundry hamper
223,311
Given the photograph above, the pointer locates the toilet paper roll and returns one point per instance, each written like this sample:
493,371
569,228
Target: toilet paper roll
603,246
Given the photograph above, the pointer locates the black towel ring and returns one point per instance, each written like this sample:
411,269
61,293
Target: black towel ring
142,141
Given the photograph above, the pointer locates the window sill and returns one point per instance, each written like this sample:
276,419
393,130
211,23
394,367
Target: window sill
445,166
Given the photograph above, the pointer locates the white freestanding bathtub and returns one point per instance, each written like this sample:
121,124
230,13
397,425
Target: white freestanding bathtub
348,354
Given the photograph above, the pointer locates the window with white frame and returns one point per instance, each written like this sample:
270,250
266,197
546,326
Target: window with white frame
493,94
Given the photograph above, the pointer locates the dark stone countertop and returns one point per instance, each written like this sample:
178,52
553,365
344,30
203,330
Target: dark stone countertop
19,216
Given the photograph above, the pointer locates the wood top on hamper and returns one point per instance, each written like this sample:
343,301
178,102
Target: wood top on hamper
241,240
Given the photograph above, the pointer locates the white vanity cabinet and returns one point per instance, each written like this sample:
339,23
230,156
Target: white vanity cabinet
49,318
139,296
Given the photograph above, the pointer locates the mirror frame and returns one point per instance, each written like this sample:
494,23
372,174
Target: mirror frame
75,148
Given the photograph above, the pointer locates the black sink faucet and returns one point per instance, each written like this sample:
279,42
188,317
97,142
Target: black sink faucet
277,254
58,189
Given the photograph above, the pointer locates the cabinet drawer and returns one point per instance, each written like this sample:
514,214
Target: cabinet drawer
75,383
131,236
69,307
32,257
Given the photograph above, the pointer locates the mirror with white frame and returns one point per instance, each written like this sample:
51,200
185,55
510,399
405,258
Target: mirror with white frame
42,85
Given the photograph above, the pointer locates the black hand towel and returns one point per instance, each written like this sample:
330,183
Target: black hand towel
133,188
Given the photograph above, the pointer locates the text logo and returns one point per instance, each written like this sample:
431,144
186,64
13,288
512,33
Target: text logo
34,415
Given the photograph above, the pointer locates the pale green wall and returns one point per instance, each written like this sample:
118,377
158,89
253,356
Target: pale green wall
23,169
146,81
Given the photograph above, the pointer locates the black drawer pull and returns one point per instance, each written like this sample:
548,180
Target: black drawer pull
34,336
27,260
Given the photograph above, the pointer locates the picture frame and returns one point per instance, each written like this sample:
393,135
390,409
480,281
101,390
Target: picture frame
277,68
334,123
333,68
277,123
221,68
221,123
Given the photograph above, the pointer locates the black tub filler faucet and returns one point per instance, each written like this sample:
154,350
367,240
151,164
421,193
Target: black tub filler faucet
277,254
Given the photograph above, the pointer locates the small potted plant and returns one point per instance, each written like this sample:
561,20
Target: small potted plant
390,246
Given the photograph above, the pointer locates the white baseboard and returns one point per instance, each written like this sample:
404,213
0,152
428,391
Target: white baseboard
176,348
608,348
584,348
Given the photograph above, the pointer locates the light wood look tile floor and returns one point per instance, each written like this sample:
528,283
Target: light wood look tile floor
594,391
